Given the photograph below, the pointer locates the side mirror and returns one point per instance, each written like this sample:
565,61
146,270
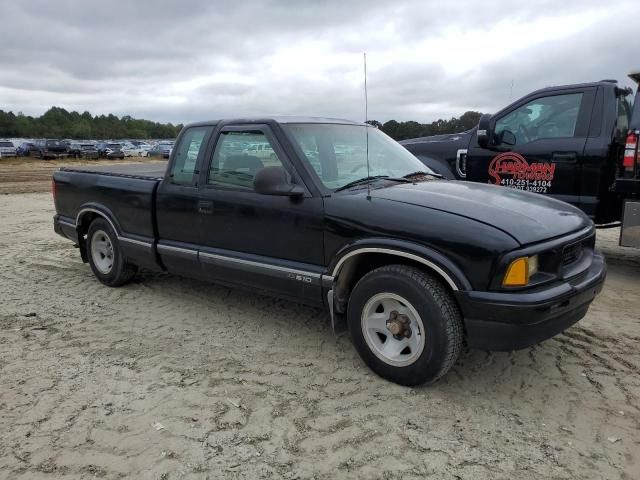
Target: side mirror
506,137
275,181
484,132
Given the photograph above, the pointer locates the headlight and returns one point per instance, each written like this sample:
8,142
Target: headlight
520,271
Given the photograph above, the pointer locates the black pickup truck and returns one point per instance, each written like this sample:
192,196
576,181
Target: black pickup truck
576,143
341,216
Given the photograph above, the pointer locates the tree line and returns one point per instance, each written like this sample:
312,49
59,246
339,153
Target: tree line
412,129
60,123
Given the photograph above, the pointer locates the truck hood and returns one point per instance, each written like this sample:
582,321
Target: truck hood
527,217
450,139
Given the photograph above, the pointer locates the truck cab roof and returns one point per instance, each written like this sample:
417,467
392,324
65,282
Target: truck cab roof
277,119
613,84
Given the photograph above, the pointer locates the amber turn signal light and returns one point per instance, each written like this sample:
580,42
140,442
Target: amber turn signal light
520,271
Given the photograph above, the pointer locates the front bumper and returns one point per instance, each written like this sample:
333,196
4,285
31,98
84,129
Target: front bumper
501,321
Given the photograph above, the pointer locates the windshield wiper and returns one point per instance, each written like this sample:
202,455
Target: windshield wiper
415,174
364,180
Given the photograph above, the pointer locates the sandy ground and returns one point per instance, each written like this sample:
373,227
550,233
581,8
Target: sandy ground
169,378
29,174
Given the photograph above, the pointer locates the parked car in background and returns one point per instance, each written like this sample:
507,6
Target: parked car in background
154,151
136,150
7,149
50,148
83,150
25,149
162,149
259,150
110,151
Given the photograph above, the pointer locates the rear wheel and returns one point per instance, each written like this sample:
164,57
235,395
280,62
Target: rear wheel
405,324
105,255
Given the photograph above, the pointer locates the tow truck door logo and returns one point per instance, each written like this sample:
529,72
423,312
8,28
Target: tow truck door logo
510,169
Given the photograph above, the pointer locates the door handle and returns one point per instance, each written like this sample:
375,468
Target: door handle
564,157
205,207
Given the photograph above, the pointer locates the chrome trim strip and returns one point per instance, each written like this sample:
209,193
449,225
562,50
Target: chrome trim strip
81,212
327,281
260,264
459,153
135,242
171,248
119,237
398,253
64,222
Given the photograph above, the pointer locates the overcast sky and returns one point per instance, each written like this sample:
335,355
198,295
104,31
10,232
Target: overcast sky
192,60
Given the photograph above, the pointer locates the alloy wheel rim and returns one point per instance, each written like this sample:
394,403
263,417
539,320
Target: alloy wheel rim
393,329
102,252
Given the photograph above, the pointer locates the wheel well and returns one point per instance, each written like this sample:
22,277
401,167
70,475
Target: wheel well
84,221
82,227
358,266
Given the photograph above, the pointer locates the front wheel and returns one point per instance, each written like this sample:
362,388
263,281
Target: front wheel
405,324
105,255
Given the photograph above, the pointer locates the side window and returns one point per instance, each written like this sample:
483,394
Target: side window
624,116
238,156
547,117
191,144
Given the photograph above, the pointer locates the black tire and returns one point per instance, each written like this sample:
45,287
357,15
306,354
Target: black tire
437,311
120,272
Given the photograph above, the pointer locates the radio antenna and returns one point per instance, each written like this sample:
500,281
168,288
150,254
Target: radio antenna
366,120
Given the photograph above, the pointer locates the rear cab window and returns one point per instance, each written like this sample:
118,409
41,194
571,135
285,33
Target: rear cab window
187,155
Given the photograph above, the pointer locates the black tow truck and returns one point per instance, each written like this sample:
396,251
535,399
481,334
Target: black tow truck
576,143
339,215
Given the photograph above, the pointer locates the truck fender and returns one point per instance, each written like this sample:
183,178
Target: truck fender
341,272
86,213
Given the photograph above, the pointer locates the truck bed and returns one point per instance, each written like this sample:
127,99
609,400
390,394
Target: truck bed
124,193
142,171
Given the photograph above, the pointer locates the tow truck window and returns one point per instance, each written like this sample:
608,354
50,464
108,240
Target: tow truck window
624,116
547,117
186,157
238,156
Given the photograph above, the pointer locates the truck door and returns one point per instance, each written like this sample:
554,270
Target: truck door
537,144
177,210
269,242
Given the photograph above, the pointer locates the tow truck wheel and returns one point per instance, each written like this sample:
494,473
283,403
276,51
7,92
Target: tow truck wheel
405,324
105,256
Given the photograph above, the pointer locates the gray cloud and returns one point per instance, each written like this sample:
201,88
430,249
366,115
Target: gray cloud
190,60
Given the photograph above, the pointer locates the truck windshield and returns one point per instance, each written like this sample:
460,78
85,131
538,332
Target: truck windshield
338,153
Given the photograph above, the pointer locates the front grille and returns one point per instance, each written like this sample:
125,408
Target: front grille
571,253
